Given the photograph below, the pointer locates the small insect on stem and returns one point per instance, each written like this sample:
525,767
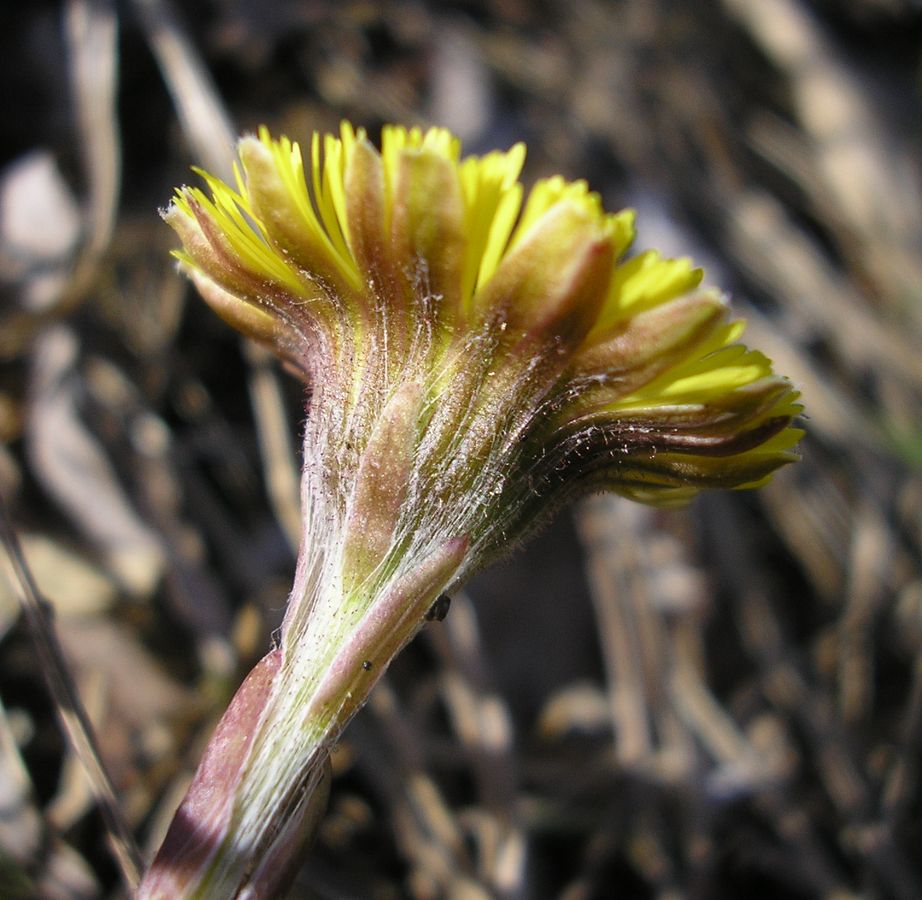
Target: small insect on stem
439,608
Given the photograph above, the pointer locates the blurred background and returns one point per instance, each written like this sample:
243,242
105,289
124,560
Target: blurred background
719,702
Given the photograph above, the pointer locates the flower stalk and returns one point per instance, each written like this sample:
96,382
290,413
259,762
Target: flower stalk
475,360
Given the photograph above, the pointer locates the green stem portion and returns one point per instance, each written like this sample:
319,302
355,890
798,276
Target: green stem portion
243,821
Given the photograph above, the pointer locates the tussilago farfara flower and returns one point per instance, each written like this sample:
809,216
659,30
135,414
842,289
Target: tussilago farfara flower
475,358
512,354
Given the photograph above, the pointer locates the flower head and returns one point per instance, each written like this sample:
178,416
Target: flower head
543,362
